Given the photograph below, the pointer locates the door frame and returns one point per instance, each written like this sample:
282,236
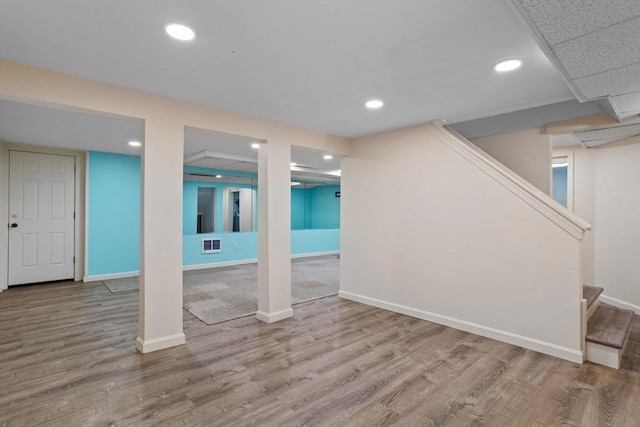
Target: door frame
568,154
79,204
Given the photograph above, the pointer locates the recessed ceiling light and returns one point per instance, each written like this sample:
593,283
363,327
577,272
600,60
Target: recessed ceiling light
327,157
295,183
255,145
218,176
135,143
294,164
507,65
374,104
180,32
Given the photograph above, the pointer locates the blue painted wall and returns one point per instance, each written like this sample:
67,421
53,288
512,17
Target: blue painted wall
325,207
312,241
560,185
113,198
113,221
300,208
315,208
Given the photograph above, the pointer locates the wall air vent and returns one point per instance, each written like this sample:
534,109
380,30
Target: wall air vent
211,246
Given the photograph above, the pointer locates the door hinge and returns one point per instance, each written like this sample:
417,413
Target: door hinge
74,215
74,260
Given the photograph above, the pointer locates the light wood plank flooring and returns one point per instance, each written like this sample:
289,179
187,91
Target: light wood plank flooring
67,358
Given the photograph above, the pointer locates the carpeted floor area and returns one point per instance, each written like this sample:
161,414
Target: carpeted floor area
219,294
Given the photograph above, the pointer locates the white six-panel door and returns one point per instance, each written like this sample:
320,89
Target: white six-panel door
41,217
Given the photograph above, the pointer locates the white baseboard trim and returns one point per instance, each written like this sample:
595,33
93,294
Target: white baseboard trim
110,276
219,264
159,343
566,353
620,304
312,254
274,317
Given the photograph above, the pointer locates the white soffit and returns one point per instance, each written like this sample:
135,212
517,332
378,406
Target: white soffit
564,140
596,45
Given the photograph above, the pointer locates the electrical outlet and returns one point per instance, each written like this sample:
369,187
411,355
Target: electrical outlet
298,242
235,246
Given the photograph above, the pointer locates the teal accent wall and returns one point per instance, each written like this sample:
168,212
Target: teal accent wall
113,220
113,198
325,207
560,185
300,208
315,208
313,241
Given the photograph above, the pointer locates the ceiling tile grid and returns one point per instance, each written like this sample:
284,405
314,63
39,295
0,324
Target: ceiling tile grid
626,105
595,43
610,83
562,20
602,50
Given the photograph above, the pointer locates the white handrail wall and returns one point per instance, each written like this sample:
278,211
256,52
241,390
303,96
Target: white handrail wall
557,213
435,228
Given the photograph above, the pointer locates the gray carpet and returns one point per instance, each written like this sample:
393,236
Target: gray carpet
219,294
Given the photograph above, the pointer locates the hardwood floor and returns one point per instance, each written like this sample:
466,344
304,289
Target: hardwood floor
67,358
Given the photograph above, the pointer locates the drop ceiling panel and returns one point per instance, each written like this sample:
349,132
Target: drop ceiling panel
563,20
601,136
620,81
602,50
626,105
594,43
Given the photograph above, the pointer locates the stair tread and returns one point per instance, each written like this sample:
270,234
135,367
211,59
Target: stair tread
609,326
591,294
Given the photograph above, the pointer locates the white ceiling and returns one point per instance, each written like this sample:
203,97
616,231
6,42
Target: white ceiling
54,127
309,63
313,64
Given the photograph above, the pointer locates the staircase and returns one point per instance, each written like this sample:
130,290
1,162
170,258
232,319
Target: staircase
607,330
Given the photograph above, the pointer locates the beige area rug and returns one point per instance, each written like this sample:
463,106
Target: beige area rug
219,294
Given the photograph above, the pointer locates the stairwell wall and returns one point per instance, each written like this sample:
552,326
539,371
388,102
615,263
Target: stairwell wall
607,194
427,233
528,153
617,213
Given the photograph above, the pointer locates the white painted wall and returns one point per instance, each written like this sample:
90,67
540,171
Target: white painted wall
617,212
584,206
527,153
607,195
427,233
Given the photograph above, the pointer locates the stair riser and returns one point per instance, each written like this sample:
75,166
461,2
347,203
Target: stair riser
603,355
593,309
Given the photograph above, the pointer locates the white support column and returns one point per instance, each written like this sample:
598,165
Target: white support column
160,316
274,232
